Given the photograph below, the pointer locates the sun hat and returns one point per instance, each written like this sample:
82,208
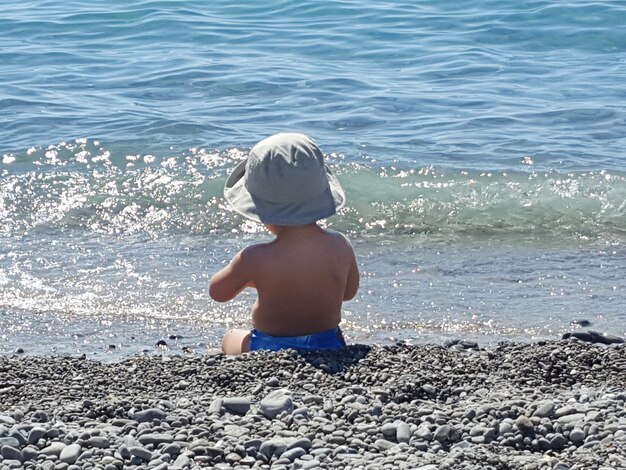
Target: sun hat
284,181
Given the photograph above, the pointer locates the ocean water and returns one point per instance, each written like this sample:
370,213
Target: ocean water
481,144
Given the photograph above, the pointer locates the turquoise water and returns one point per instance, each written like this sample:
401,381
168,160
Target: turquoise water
481,146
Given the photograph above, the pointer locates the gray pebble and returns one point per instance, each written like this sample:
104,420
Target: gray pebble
54,448
237,405
545,409
35,434
11,453
9,441
383,445
442,432
293,454
149,415
403,433
524,424
100,442
577,436
70,454
558,442
182,461
275,403
141,453
155,438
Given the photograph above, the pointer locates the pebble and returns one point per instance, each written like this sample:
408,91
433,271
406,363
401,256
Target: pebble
149,415
141,453
237,405
545,409
275,403
70,454
11,453
524,424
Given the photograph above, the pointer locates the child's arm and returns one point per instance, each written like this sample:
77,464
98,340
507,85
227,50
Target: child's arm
352,283
232,279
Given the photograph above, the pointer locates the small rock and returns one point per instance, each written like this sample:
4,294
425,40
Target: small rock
155,438
403,433
558,442
9,441
237,405
141,453
545,409
99,442
524,424
293,454
149,415
577,436
11,453
70,454
383,445
275,403
442,432
55,448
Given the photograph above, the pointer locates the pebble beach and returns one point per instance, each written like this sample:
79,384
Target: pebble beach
544,405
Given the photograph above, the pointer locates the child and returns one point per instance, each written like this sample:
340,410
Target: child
306,272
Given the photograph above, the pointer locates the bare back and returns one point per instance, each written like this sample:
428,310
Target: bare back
301,277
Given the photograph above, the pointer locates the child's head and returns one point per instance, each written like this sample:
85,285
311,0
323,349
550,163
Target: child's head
284,182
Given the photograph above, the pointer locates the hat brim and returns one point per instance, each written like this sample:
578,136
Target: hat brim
266,212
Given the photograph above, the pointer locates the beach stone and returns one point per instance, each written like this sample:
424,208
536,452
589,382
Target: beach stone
40,416
100,442
275,403
54,448
564,410
9,441
545,409
424,433
11,453
155,438
573,418
35,434
215,407
273,447
19,436
383,444
7,420
173,449
141,453
442,432
293,454
30,453
558,442
70,454
403,433
149,415
302,442
182,461
577,436
237,405
524,424
389,430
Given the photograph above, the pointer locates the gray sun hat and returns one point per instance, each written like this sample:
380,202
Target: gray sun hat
284,181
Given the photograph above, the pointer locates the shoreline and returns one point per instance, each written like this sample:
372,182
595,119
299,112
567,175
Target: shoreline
548,404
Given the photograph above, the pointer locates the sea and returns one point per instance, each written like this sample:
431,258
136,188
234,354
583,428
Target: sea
481,145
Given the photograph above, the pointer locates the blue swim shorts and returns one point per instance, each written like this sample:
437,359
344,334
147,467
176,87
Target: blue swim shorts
329,339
